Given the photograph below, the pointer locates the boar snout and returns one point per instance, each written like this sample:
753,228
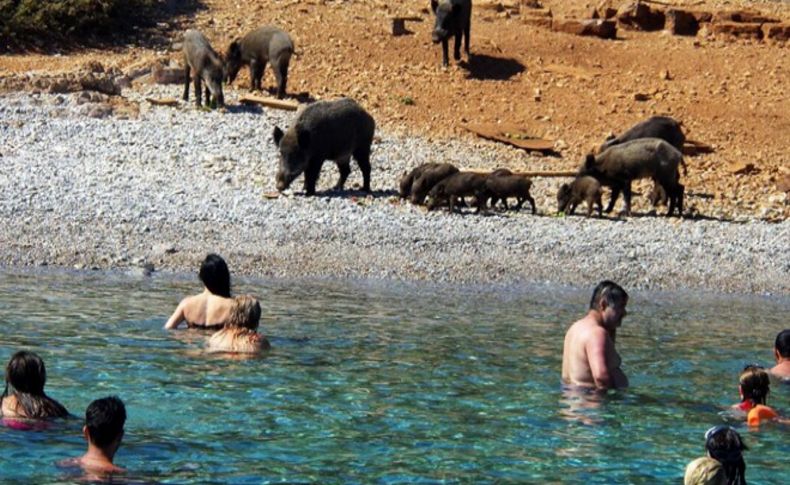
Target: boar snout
438,35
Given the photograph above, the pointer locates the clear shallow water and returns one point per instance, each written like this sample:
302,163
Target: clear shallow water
372,382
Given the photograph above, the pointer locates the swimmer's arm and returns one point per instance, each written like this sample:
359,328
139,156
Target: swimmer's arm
177,317
597,351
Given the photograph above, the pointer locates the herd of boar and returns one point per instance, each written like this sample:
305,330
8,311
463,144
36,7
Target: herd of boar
341,129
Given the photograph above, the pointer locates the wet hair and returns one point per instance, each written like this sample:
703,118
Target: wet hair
215,275
27,375
704,471
755,384
245,313
782,344
725,445
610,292
105,419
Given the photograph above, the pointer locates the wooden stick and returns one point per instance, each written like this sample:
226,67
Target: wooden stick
269,102
163,102
529,173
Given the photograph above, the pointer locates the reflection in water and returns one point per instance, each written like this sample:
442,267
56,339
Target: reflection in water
581,404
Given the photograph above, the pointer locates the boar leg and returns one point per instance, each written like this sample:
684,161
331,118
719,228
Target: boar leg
572,208
457,50
627,198
467,28
343,166
599,203
532,203
281,75
615,194
209,102
451,204
186,83
362,156
198,91
311,176
256,74
445,53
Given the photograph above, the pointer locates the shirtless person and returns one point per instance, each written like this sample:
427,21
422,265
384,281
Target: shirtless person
103,430
782,355
589,357
208,310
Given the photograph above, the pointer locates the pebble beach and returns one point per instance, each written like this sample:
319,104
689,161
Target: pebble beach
86,190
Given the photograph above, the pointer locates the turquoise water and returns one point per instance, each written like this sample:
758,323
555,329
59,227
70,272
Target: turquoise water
376,382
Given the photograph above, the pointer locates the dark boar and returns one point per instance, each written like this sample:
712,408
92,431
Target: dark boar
502,186
663,127
325,130
581,189
453,19
459,185
428,179
652,158
407,179
657,196
204,65
256,49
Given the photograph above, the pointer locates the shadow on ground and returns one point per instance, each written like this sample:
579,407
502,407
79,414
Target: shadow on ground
484,67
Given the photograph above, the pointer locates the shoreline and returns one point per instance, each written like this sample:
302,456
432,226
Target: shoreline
175,184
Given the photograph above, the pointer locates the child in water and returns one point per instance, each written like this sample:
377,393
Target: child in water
754,387
24,396
240,333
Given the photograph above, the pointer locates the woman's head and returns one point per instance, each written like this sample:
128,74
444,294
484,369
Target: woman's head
26,373
755,384
245,313
704,471
725,445
215,275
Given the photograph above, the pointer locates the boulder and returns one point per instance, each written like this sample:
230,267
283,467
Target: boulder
639,16
778,32
738,30
167,75
681,22
743,16
605,29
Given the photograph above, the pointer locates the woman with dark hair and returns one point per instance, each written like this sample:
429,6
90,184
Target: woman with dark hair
210,309
725,445
24,397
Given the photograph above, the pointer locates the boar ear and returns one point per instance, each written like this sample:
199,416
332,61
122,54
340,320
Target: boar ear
434,5
277,135
589,161
303,137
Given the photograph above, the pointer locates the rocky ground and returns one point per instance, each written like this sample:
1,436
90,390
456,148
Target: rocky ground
94,176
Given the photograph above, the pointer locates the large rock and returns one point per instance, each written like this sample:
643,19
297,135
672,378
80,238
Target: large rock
537,17
681,22
167,75
605,29
738,30
778,32
743,16
639,16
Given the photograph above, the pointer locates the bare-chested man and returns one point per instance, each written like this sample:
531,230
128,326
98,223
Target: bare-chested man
589,357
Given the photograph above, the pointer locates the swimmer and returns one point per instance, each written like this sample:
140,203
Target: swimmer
589,357
103,430
782,355
208,310
725,445
705,471
26,375
240,332
754,386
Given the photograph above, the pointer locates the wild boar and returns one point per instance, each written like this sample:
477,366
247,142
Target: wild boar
620,164
663,127
259,47
657,196
204,65
458,185
407,179
581,189
501,186
325,130
453,19
428,179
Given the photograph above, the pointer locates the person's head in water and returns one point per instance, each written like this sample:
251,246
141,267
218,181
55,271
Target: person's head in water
104,421
26,376
725,445
705,471
215,275
782,345
246,313
754,384
610,299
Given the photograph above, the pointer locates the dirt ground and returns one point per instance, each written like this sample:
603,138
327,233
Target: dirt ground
731,94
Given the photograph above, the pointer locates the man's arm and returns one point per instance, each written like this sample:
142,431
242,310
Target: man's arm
177,317
597,349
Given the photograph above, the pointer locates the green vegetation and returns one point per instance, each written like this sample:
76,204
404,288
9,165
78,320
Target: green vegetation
407,100
28,19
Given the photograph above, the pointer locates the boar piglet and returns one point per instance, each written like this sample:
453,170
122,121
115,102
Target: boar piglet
204,65
407,179
453,19
503,186
663,127
619,165
325,130
459,185
428,179
581,189
259,47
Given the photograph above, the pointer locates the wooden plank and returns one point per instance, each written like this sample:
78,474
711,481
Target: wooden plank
691,147
529,173
163,101
269,102
512,135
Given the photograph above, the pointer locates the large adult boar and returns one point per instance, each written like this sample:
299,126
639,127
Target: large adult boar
664,127
453,19
408,178
204,65
428,179
502,186
256,49
581,189
325,130
619,165
459,185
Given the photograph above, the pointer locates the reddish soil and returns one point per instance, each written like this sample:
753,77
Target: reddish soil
729,93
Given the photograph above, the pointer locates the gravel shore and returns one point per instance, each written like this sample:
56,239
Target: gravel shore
171,185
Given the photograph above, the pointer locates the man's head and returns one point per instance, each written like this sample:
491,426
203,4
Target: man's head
782,345
104,420
610,299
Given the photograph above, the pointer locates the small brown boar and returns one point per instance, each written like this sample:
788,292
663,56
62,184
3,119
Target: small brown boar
501,186
581,189
407,179
459,185
428,179
264,45
204,65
